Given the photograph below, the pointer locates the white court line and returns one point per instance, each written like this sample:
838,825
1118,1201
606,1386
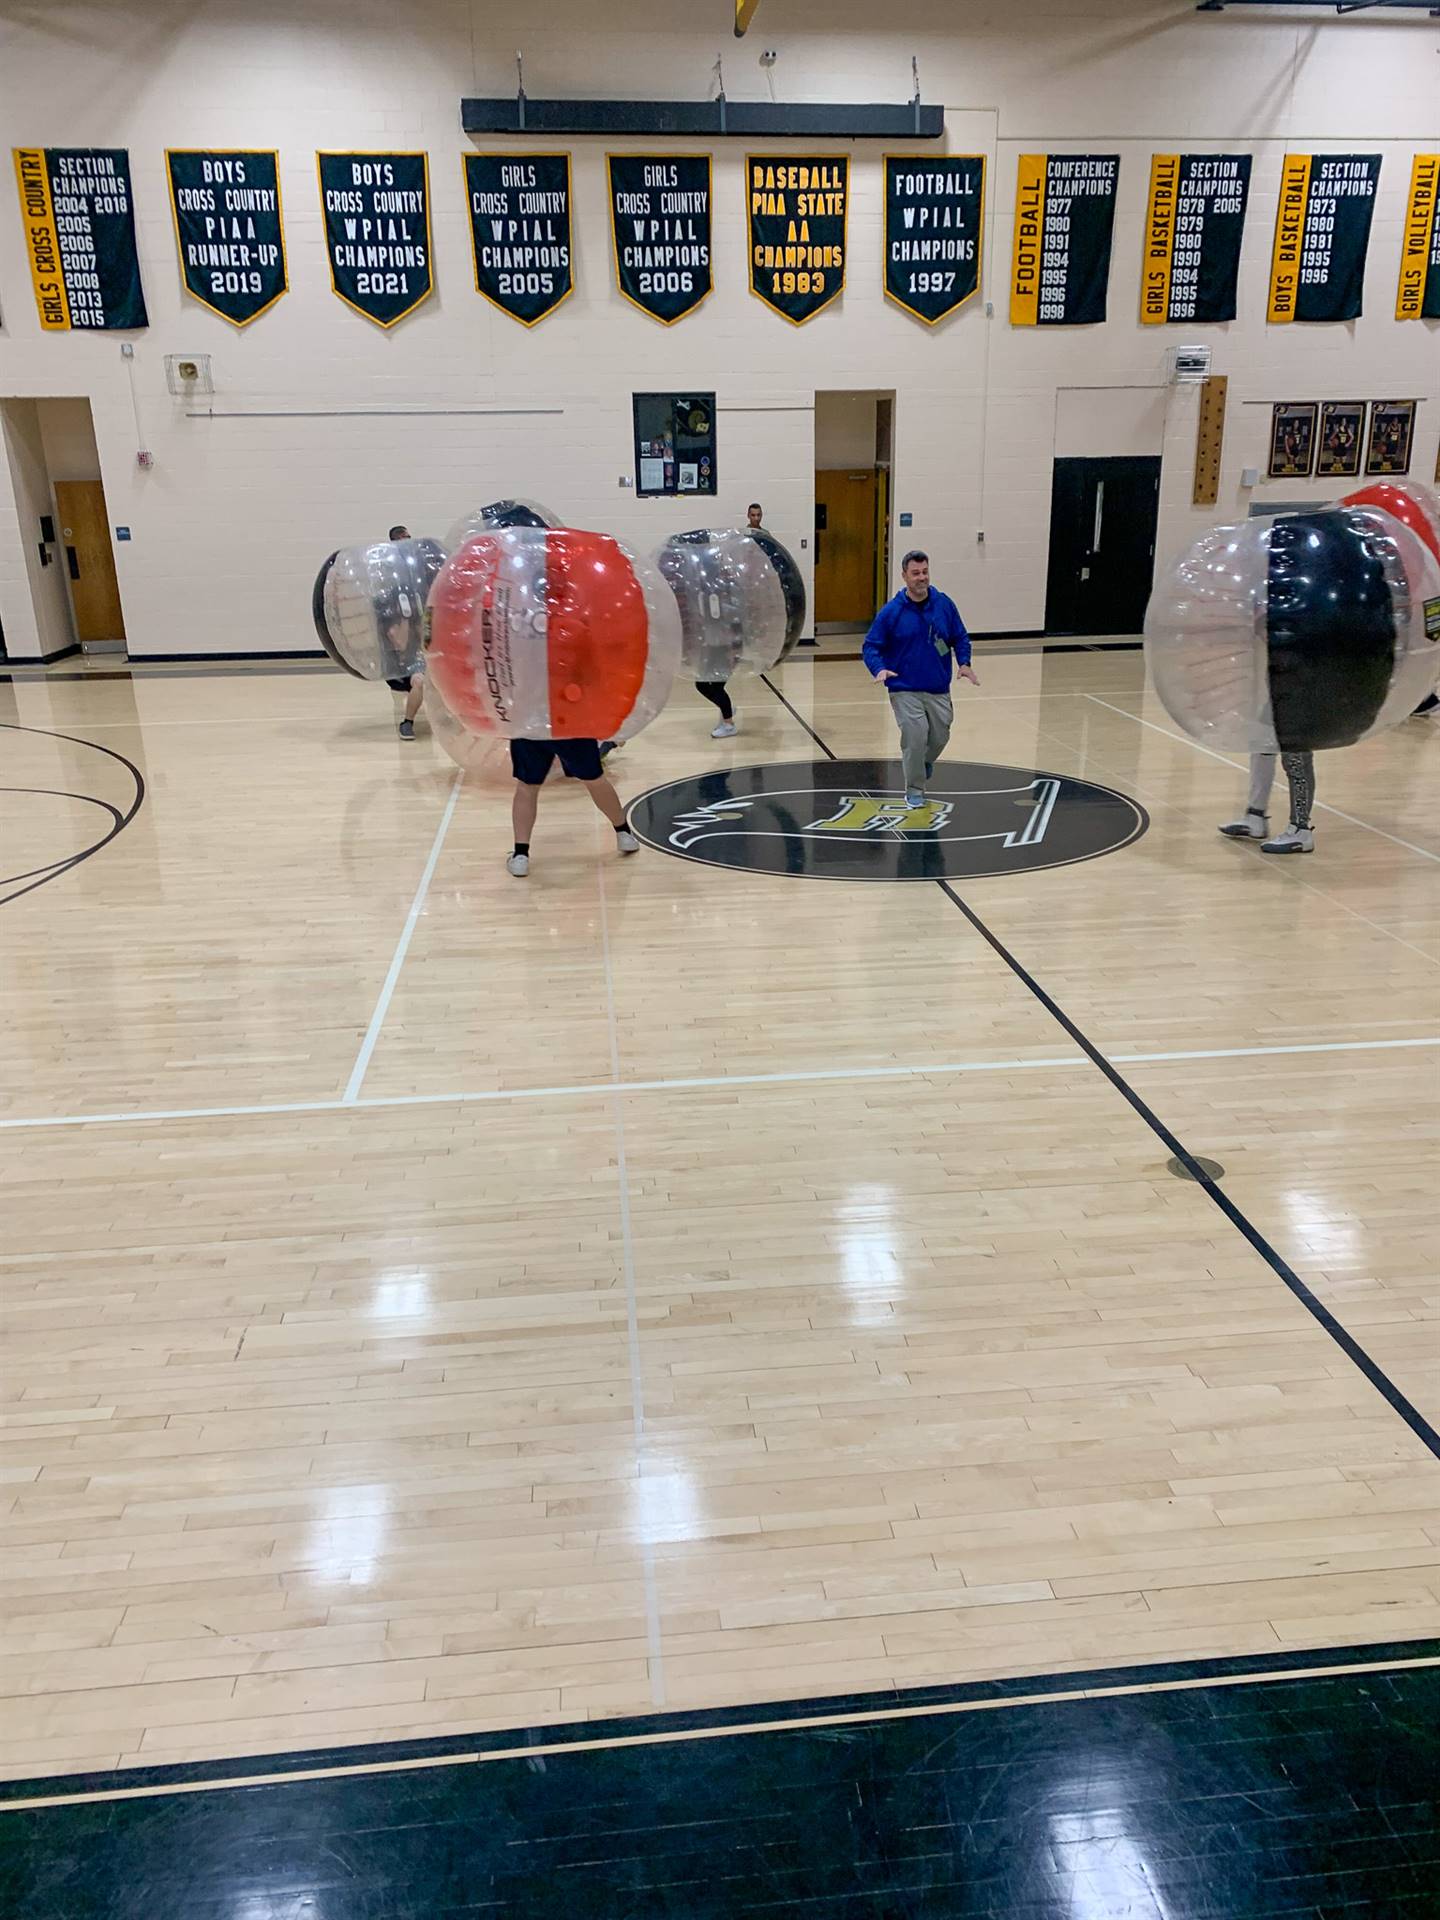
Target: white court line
402,947
656,1661
800,1077
1239,767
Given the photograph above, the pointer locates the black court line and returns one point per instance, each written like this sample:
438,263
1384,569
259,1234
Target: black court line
800,717
1277,1666
1347,1343
118,820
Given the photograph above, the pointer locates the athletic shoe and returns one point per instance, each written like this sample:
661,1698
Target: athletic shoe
626,841
518,864
607,747
407,729
1250,826
914,797
726,730
1293,840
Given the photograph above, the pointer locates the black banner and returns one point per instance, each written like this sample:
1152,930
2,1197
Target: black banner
228,230
1064,221
1194,224
934,231
660,230
520,231
797,211
1418,297
1322,232
78,214
377,231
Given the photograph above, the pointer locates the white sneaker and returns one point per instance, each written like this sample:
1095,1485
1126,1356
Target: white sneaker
518,864
726,730
914,797
1293,840
626,841
1250,826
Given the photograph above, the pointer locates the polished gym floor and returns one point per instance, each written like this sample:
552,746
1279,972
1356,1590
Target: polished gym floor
834,1264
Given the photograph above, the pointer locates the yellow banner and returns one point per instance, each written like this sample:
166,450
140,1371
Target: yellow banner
1289,237
1159,239
1417,235
42,242
1029,241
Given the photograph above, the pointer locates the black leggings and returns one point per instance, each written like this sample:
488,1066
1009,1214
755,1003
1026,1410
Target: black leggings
714,692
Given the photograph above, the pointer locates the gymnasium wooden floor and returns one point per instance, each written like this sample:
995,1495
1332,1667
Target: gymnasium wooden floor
437,1304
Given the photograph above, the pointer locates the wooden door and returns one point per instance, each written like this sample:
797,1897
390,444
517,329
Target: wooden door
845,545
90,560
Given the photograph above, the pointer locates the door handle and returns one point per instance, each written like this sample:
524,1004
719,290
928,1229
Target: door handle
1099,515
72,561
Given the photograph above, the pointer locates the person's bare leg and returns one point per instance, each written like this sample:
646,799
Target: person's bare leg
603,793
523,809
415,698
609,803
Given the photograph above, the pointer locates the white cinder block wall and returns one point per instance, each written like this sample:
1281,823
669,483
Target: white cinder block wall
231,522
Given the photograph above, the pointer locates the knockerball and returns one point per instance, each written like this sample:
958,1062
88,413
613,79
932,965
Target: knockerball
317,611
494,518
792,585
1296,633
542,633
1413,505
370,604
731,599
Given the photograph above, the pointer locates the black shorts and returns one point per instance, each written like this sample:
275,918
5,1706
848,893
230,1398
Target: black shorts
399,686
531,760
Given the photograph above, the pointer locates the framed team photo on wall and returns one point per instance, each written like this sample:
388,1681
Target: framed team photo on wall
1292,439
1392,428
1342,433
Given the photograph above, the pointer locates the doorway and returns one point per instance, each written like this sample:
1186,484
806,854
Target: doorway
852,508
1103,515
51,491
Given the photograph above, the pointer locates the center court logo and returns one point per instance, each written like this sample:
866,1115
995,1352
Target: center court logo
847,820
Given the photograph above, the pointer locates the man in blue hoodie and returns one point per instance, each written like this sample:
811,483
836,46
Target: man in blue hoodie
909,649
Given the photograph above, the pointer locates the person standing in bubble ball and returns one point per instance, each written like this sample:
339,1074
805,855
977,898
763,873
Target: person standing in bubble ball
1254,823
530,762
715,691
411,685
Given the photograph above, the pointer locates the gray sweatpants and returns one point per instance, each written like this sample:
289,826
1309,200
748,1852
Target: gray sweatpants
924,721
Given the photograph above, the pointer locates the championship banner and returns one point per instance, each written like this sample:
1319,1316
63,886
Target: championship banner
1064,220
1194,223
660,231
797,211
1322,231
520,231
934,231
1419,295
78,214
228,230
377,231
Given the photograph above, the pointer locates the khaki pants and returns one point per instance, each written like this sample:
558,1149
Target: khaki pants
924,721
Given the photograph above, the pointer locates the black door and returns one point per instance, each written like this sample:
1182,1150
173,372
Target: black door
1102,544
